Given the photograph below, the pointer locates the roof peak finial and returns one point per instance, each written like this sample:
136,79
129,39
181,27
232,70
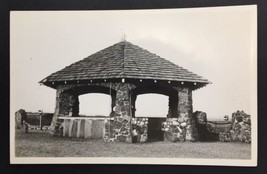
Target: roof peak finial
124,37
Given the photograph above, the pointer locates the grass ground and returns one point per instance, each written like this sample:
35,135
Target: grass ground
41,144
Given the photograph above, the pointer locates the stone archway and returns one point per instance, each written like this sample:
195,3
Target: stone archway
67,102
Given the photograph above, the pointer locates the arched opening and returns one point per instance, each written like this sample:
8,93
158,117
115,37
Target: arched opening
155,108
152,105
95,104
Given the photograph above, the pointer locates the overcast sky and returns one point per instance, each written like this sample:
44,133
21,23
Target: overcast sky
217,43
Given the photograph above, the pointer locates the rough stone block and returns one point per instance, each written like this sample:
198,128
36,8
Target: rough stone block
117,125
124,113
117,109
126,118
125,108
119,94
20,117
200,117
181,120
241,127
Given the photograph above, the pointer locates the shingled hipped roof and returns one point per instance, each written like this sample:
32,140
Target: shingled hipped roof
124,60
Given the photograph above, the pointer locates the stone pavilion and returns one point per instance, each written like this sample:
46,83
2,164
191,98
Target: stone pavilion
124,71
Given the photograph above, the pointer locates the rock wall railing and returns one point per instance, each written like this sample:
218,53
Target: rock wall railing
174,129
139,130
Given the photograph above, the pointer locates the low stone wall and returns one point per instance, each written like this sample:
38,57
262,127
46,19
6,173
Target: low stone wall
139,130
205,130
239,130
174,129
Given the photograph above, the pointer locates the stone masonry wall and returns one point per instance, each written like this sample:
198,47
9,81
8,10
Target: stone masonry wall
66,105
240,130
185,113
174,129
118,127
139,130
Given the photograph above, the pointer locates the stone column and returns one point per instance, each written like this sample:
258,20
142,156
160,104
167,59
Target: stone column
108,130
66,105
185,113
123,114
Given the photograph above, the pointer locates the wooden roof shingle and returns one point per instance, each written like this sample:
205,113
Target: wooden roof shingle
124,60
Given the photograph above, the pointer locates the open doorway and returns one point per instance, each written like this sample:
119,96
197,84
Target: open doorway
154,132
155,108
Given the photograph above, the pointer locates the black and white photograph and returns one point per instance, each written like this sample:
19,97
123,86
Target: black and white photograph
156,86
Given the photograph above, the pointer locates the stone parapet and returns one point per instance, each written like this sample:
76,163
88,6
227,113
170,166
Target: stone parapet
174,129
139,130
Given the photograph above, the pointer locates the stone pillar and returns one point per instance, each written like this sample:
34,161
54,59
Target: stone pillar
109,123
185,113
66,105
121,127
